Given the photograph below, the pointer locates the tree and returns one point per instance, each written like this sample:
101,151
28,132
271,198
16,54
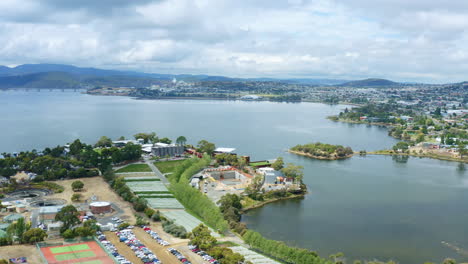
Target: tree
68,234
84,231
17,229
121,138
76,197
206,147
69,216
294,171
34,235
201,237
104,142
147,137
76,147
165,140
278,164
403,146
181,141
77,186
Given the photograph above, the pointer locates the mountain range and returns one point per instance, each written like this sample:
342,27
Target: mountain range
68,76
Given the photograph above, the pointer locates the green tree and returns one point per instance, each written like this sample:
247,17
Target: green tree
76,197
67,234
206,147
77,186
34,235
201,237
84,231
69,216
147,137
278,164
104,142
17,229
181,141
401,146
294,171
165,140
76,147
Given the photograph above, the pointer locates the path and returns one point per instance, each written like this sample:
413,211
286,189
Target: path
157,172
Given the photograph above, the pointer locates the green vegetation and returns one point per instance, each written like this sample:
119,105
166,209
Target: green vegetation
77,186
56,163
191,198
156,196
282,251
134,168
278,164
323,151
206,147
201,237
260,163
152,192
56,188
140,180
69,216
168,166
76,197
174,229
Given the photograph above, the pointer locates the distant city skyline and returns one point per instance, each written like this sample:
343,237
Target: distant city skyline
400,40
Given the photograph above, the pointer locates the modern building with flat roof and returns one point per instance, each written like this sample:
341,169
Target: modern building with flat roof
162,150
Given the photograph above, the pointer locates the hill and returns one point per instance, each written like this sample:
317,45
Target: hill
64,80
371,83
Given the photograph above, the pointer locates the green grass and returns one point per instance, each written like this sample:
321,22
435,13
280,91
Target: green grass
168,166
140,180
261,163
156,196
72,248
153,192
135,168
75,255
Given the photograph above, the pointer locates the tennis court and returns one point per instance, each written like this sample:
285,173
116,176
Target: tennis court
78,253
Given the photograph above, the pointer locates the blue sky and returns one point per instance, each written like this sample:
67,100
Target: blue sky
396,39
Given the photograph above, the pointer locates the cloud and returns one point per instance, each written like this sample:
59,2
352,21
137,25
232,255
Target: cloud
403,40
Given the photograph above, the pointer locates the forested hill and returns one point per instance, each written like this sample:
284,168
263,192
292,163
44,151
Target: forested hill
63,80
371,83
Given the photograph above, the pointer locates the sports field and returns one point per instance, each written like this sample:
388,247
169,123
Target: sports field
78,253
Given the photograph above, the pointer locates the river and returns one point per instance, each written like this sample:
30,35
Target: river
374,207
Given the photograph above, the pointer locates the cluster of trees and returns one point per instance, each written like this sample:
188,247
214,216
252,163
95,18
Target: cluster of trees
174,229
80,161
69,216
21,232
193,199
401,146
118,184
231,206
324,150
230,159
202,238
281,251
204,146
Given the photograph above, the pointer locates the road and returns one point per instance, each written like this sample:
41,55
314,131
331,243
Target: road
157,172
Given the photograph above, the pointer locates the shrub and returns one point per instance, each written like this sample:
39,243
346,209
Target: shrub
68,234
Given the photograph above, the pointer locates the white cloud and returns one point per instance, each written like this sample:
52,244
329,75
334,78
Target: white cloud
415,40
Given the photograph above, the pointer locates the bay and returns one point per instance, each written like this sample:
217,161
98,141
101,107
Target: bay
374,207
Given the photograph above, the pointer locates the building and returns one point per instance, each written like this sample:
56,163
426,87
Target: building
162,150
47,213
100,207
12,218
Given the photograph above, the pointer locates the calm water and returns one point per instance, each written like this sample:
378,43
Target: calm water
367,207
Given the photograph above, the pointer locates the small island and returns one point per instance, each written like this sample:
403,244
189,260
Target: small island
322,151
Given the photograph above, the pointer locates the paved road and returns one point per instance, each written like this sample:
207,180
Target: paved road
157,172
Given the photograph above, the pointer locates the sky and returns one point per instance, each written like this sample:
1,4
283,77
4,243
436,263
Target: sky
402,40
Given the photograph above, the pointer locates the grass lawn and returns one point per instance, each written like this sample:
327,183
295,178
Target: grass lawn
135,168
261,163
168,166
